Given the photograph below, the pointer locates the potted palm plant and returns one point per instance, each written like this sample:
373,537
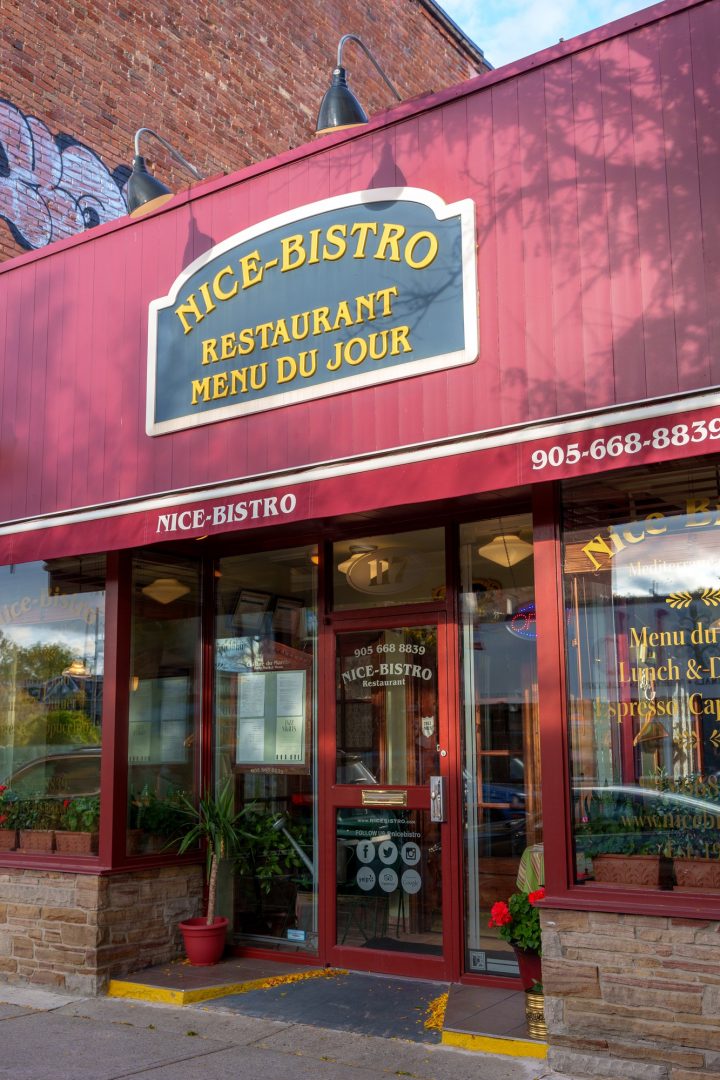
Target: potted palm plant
214,823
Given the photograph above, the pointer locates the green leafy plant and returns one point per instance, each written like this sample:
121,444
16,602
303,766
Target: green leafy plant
81,814
161,817
215,823
270,854
37,814
518,920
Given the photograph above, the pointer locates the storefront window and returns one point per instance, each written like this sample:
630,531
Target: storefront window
52,633
501,773
642,595
265,736
164,699
382,571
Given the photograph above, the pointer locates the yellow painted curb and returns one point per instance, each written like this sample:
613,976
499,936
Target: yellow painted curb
136,991
141,992
488,1044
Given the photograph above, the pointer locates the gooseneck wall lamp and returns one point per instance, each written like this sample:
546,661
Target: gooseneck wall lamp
144,191
340,108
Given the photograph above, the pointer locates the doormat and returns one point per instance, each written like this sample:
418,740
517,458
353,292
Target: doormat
364,1004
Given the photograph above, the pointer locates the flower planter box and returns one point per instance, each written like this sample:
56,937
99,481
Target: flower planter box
76,843
697,873
37,840
8,839
639,871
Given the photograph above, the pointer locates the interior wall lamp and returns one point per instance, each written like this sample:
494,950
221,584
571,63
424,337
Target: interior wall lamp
340,108
144,191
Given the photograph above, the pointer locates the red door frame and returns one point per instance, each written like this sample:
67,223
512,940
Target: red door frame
334,796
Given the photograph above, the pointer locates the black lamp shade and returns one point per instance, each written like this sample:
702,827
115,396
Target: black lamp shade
144,191
339,108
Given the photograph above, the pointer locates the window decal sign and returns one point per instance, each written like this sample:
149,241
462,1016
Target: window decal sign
346,293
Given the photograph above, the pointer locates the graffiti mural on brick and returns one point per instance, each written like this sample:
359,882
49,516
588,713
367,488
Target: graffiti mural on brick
52,187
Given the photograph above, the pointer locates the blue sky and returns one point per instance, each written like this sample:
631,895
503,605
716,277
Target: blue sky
509,29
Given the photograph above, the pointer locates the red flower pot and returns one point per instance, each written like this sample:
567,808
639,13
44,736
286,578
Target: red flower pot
204,945
530,966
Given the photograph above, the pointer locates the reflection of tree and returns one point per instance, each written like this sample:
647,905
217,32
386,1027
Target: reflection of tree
38,703
33,663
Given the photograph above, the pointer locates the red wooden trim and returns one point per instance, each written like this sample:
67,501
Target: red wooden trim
550,622
669,904
205,679
116,691
405,965
325,759
453,867
68,864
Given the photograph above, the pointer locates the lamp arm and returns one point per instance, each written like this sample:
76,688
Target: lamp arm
363,46
171,150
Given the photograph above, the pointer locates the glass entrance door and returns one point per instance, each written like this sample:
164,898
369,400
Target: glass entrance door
390,797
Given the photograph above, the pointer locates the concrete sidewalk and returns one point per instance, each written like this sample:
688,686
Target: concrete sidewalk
48,1036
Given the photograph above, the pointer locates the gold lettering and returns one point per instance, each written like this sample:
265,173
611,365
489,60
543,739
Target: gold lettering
229,347
320,319
210,305
190,307
222,294
200,389
391,237
281,334
246,341
286,369
336,237
362,228
238,378
429,256
209,355
220,385
292,246
252,271
400,338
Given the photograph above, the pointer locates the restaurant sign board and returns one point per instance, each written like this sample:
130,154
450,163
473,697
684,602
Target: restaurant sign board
342,294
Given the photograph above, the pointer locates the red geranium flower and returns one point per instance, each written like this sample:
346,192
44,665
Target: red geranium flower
66,803
500,914
533,897
3,787
3,819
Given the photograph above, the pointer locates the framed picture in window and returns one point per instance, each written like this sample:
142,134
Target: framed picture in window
286,617
251,612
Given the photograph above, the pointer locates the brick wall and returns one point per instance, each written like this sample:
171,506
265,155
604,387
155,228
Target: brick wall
632,996
226,84
74,931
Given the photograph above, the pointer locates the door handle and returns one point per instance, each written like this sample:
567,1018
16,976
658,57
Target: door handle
437,798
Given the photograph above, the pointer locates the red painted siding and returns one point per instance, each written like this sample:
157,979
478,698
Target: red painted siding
596,178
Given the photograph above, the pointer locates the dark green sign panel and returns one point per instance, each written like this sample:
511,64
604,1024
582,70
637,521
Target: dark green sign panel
346,293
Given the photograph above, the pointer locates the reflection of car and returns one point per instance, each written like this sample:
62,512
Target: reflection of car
61,775
627,819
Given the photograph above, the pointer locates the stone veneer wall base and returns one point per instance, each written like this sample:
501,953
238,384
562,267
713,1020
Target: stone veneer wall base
630,997
74,932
